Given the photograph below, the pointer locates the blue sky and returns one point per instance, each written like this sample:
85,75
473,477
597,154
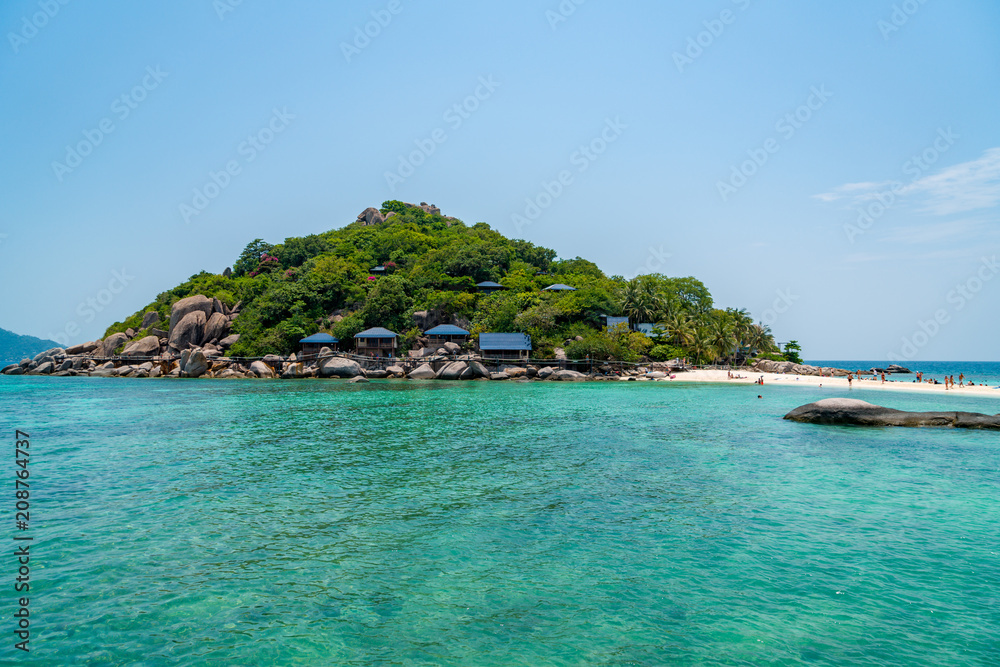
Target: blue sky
833,167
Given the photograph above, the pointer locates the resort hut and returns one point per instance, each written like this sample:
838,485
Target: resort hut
446,333
376,342
488,287
505,345
378,270
559,287
645,328
311,345
611,321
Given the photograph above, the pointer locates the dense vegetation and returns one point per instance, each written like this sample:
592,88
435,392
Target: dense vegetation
290,290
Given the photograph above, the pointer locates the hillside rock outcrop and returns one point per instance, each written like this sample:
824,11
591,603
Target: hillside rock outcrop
187,305
216,327
371,216
144,347
188,331
110,344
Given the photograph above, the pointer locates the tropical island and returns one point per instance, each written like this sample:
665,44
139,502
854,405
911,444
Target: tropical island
405,281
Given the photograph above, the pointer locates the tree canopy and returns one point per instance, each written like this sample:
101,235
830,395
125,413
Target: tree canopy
293,289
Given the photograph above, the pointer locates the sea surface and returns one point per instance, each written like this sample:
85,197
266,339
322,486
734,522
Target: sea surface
977,371
205,522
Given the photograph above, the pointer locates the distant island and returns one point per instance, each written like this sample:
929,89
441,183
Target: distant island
14,347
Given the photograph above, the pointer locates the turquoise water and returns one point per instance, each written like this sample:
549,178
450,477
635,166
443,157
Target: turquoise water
977,371
314,523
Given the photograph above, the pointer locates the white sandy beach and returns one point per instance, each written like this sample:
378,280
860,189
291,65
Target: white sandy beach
899,384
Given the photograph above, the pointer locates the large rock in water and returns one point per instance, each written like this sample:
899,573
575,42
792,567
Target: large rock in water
478,370
423,372
456,370
190,330
191,304
850,411
144,347
197,364
568,376
339,367
261,370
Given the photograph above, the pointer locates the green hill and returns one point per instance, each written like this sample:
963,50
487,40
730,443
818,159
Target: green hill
13,347
325,282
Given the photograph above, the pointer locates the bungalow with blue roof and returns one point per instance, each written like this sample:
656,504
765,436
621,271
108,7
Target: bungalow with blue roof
505,345
311,345
376,342
446,333
488,287
559,287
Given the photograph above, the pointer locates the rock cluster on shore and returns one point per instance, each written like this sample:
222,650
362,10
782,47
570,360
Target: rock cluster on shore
198,335
792,368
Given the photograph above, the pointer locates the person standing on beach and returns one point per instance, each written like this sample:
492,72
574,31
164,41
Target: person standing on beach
961,379
850,377
883,378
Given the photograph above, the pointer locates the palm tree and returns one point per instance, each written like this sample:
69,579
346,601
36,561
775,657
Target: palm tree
639,301
742,330
761,340
701,344
721,335
681,329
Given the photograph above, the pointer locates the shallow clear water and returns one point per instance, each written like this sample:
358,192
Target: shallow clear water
315,523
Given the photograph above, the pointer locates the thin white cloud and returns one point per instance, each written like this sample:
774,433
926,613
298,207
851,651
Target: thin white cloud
857,191
969,186
964,230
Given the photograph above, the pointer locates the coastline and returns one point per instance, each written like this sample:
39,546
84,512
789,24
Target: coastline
815,381
698,376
